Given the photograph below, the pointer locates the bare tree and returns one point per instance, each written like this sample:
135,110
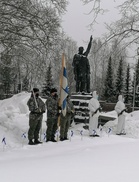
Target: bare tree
30,30
95,10
98,59
126,28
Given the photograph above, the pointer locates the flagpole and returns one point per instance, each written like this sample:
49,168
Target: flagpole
63,90
60,102
60,81
37,107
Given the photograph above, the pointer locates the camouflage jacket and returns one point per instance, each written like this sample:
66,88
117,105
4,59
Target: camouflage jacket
69,109
52,106
33,107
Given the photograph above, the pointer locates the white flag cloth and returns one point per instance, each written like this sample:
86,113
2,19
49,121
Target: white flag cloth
64,86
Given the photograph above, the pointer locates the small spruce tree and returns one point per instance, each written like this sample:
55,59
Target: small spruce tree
136,79
48,83
128,86
119,84
7,74
25,86
109,89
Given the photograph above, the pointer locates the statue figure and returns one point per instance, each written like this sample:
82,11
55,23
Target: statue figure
82,69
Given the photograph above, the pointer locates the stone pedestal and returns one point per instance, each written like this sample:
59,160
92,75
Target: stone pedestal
80,102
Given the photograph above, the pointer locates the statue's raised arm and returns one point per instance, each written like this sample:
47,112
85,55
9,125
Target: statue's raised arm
88,47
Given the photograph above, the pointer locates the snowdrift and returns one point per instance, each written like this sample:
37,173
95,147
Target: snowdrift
14,116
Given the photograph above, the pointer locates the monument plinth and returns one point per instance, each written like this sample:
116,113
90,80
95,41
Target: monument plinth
80,102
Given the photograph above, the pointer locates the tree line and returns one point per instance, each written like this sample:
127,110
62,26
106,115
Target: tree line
110,76
31,37
31,45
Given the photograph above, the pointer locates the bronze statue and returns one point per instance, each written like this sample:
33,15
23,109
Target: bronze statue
82,69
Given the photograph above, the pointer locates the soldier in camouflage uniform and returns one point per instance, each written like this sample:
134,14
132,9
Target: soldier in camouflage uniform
52,115
65,120
82,69
37,108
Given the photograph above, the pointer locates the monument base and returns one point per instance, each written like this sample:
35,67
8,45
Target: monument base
80,102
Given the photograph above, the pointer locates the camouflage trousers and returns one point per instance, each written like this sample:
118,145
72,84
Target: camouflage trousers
51,128
35,122
64,125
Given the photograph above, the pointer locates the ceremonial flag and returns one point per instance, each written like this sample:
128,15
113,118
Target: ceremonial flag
4,140
24,135
63,86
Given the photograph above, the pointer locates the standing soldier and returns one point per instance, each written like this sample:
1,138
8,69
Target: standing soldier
37,108
94,107
52,115
65,120
82,69
120,109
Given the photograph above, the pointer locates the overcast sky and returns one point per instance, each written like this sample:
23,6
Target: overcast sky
76,20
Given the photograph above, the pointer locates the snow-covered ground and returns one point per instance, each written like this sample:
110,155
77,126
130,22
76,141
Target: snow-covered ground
109,158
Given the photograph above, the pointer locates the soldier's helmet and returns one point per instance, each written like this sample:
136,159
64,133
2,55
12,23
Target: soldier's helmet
53,90
35,90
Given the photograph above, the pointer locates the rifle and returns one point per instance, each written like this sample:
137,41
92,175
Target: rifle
37,107
98,109
121,112
35,100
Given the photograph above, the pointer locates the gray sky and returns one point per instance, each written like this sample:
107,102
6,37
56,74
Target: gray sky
76,20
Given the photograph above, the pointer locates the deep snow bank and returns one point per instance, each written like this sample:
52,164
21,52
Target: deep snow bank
14,115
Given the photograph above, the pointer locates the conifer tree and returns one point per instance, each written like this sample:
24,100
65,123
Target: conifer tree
48,84
119,84
25,84
109,89
7,74
137,73
136,79
128,86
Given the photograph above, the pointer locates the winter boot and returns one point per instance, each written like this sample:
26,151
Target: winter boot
118,133
36,141
96,135
53,140
61,139
92,135
31,142
48,140
65,138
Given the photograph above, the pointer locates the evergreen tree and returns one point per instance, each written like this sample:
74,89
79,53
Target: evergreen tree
25,86
109,89
119,84
136,79
48,84
128,86
137,73
7,75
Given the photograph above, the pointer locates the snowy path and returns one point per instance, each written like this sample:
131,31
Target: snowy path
111,159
